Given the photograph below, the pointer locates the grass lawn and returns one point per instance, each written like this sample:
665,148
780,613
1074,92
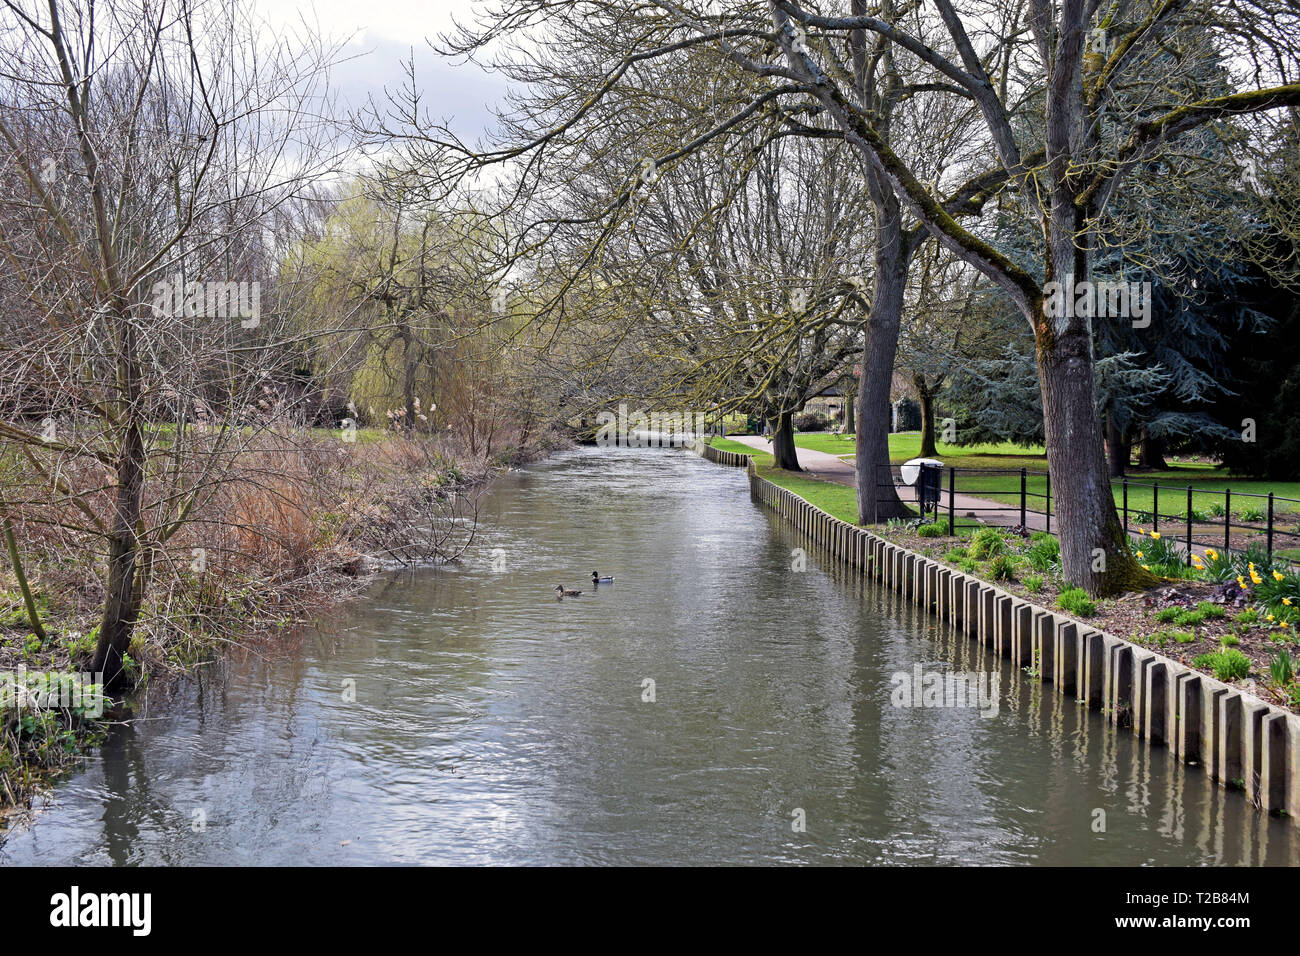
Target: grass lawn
1209,480
726,444
835,499
1209,484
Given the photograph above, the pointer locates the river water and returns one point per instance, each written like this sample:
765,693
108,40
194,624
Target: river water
493,723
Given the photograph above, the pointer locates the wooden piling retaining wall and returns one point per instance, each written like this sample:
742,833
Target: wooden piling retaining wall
1241,741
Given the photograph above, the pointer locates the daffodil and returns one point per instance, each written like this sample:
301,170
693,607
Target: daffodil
1251,565
1146,567
1155,535
1269,618
1139,554
1212,554
1277,575
1254,576
1286,601
1241,581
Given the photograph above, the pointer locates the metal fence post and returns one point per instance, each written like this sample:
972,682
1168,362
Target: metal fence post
1189,526
1022,497
952,514
1227,521
1049,502
1126,504
1270,526
1155,505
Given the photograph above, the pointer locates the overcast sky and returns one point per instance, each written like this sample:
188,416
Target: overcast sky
381,34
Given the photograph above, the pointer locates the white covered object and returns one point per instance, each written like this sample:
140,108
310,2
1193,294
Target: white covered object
911,470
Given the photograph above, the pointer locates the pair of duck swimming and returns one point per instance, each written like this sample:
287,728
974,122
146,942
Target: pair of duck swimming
596,581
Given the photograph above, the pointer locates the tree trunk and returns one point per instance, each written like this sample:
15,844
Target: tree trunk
927,418
118,622
850,419
1095,553
1152,456
408,380
784,455
877,497
1116,449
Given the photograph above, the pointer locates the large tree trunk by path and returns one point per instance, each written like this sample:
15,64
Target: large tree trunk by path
784,455
1116,448
1094,549
1095,552
877,498
927,418
850,419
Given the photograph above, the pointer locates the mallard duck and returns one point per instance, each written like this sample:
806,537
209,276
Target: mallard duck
597,579
562,591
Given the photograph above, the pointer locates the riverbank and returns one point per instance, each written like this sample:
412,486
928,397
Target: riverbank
1233,617
1242,742
713,691
298,524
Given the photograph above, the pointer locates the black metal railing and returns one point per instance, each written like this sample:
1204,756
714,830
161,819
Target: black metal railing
1191,528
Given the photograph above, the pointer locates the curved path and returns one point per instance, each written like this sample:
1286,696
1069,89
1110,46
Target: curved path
824,465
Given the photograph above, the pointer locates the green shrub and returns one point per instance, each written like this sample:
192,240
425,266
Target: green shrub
1248,616
1002,568
81,647
1077,602
1167,615
1216,510
1044,553
987,542
1190,619
936,529
1211,611
1033,583
1271,590
1281,668
970,566
1252,513
1182,637
1162,556
1231,640
955,555
1226,665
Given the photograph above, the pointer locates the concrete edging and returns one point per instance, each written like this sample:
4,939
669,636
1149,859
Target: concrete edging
1242,742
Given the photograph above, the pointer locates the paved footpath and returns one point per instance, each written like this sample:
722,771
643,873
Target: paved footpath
824,465
820,464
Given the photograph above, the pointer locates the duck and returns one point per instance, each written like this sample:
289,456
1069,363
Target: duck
597,579
562,591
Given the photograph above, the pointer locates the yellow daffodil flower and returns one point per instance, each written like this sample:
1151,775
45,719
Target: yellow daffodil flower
1156,535
1277,575
1286,601
1212,554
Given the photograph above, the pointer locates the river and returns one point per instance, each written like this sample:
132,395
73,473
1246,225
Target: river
493,723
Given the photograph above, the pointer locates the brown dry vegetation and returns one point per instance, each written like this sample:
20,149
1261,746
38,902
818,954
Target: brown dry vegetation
292,522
